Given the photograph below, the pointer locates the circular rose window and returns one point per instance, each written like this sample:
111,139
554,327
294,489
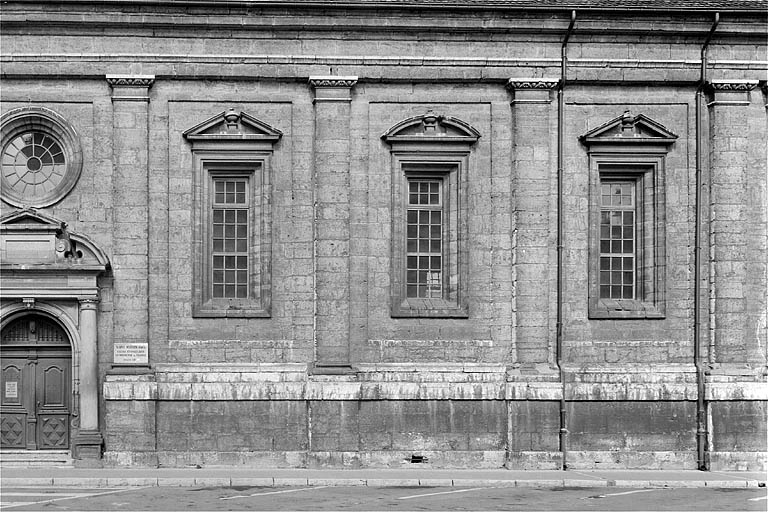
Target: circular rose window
41,157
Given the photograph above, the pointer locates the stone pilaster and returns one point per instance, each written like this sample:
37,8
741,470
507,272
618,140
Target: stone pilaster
88,441
331,183
130,106
534,173
734,340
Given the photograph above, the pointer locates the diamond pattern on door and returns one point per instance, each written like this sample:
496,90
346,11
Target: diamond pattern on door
54,432
12,430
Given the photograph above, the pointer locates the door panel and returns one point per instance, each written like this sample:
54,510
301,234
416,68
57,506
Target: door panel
15,402
52,402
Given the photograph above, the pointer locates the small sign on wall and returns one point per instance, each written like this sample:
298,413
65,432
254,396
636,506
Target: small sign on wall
131,353
11,389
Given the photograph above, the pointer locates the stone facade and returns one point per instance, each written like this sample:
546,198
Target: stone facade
328,114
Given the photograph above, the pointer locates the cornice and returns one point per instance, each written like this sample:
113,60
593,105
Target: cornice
532,83
131,80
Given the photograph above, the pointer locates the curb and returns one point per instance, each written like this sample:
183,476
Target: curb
364,482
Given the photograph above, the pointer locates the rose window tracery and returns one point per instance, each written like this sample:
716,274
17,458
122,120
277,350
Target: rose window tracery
41,157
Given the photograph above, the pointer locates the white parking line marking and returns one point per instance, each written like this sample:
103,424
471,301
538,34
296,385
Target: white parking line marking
66,497
620,493
446,492
40,494
272,492
758,499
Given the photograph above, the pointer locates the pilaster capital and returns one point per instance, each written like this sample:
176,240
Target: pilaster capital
532,90
130,87
90,303
332,88
730,92
733,85
515,84
332,81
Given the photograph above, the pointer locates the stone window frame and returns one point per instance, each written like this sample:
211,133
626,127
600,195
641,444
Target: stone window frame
433,147
634,148
650,269
44,120
236,145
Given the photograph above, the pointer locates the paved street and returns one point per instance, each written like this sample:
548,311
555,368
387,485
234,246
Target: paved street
328,498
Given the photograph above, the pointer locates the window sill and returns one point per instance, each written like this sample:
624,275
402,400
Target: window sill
213,310
618,309
428,308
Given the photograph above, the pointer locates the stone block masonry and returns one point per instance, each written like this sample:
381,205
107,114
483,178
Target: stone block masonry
333,363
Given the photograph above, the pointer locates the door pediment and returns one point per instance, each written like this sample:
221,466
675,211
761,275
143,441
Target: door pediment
31,241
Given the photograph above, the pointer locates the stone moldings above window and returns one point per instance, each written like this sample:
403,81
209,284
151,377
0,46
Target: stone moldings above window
627,249
432,128
41,157
628,131
431,161
233,224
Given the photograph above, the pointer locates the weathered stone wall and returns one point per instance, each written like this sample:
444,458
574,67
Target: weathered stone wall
482,391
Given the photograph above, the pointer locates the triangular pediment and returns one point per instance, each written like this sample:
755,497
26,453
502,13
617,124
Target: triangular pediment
431,127
233,126
629,129
35,240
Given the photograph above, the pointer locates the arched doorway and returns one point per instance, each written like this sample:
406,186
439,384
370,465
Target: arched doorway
35,392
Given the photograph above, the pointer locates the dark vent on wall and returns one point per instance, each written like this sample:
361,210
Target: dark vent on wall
418,459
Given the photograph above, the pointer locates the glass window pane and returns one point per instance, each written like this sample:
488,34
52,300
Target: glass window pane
605,292
413,215
242,262
434,245
412,245
242,292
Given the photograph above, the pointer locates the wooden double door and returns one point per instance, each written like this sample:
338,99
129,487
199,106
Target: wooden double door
35,392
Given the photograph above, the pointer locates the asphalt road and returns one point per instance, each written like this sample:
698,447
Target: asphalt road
382,499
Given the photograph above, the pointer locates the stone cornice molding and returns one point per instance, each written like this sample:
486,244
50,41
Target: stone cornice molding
131,80
532,83
332,81
733,85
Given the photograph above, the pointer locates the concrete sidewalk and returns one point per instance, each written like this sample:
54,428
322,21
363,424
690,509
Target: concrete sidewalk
257,477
